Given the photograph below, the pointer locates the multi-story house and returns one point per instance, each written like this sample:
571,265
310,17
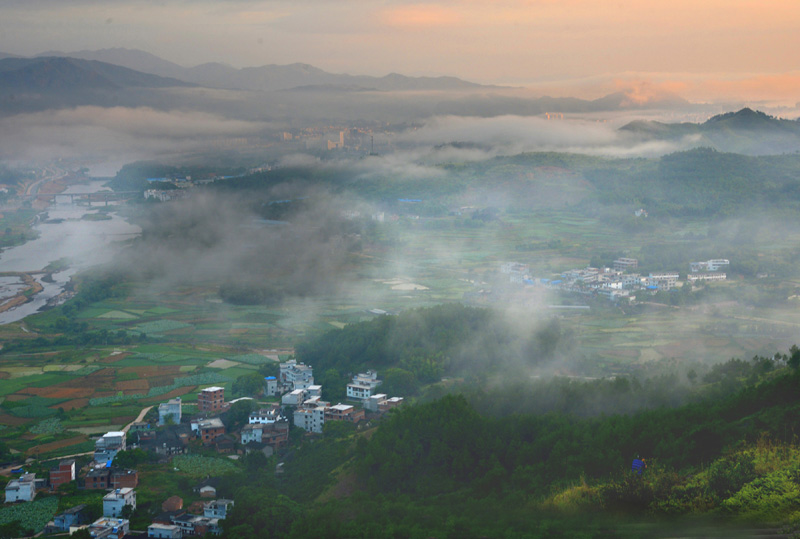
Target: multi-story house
363,385
211,399
170,412
116,500
22,489
217,508
107,447
296,375
63,474
310,418
344,412
208,429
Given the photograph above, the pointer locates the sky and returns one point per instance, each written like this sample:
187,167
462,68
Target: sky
702,49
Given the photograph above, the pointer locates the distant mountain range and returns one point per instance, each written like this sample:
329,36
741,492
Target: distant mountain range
264,78
745,131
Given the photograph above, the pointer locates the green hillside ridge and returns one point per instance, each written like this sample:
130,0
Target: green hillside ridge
443,469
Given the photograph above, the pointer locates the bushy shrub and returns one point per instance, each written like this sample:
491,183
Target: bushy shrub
729,474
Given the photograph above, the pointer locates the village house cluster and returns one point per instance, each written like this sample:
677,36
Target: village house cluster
266,431
617,283
310,412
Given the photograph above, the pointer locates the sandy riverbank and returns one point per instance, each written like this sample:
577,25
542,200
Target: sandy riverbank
32,287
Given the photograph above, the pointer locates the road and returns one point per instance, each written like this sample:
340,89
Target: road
141,415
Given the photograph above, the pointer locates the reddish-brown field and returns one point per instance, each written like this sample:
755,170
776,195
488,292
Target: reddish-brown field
13,421
171,395
53,446
132,385
72,405
59,391
151,370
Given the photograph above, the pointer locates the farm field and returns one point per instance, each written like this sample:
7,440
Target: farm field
184,338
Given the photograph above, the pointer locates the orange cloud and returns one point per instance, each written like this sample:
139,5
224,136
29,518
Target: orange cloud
639,92
420,16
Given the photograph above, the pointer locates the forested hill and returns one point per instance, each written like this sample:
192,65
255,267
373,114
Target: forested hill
698,182
744,131
443,469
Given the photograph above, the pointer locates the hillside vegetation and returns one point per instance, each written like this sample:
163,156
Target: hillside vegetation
444,469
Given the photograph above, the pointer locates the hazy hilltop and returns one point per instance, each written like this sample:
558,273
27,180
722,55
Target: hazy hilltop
135,59
745,131
60,73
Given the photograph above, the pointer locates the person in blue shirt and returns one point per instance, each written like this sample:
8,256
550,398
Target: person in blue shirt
638,466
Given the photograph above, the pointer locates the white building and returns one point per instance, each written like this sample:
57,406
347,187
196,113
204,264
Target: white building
663,280
252,432
22,489
311,418
164,531
373,403
270,386
709,265
363,385
170,411
294,398
296,375
217,509
264,416
116,500
107,447
707,277
109,528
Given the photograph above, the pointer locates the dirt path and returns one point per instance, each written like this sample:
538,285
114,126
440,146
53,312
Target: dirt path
141,415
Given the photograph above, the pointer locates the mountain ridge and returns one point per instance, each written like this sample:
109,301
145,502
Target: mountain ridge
268,77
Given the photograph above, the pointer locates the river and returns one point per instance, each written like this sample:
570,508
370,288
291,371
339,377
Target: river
65,235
